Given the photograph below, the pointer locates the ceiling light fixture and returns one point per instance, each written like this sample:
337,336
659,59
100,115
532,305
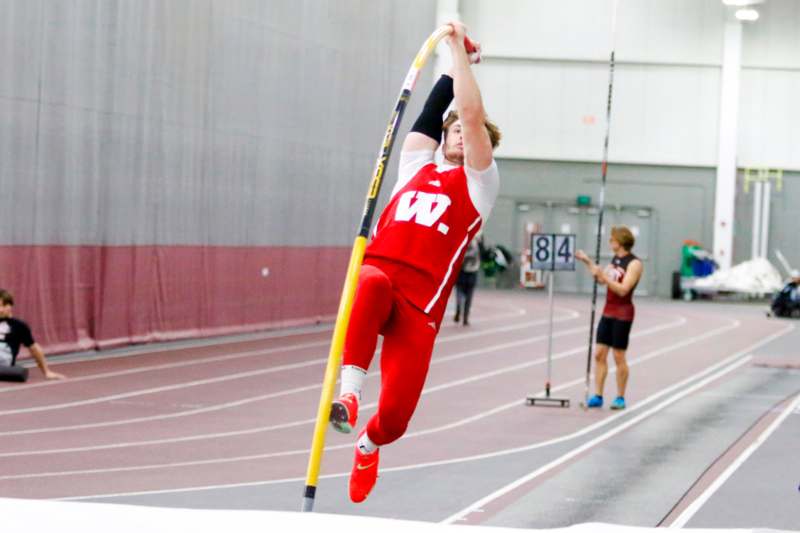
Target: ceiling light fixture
742,3
747,14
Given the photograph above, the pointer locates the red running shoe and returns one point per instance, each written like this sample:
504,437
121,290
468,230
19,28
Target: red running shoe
344,413
364,475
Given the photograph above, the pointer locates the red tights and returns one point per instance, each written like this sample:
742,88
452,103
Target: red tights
408,336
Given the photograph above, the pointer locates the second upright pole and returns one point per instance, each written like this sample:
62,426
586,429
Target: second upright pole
550,283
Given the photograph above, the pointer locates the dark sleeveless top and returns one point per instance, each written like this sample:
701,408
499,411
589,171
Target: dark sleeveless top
617,306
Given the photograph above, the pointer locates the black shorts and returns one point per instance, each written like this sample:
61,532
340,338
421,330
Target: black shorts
466,281
614,332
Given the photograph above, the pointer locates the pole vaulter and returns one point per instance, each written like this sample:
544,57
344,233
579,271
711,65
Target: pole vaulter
356,259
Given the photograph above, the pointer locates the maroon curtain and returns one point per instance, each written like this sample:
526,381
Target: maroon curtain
84,297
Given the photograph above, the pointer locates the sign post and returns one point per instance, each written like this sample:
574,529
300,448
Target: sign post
551,252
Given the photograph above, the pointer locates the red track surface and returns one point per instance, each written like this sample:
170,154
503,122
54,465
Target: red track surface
243,411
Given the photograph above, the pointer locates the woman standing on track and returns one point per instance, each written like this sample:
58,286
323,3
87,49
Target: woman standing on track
621,277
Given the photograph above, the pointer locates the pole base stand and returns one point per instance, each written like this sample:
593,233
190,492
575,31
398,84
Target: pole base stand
547,401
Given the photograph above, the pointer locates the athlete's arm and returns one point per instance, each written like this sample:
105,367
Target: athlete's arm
632,275
38,355
593,268
426,133
467,96
423,139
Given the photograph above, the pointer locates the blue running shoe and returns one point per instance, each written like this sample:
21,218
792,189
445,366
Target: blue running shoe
618,403
595,401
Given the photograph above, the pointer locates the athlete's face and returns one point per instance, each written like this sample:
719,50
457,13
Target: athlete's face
615,245
5,310
453,149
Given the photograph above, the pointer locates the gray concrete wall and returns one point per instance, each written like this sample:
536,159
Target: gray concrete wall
680,198
783,222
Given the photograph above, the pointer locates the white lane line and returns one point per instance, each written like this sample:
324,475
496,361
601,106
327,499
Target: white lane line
701,500
569,384
364,408
479,505
250,373
159,347
570,315
669,390
517,311
180,364
437,388
743,357
253,399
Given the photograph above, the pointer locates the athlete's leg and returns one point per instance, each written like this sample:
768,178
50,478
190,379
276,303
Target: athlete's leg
622,332
605,339
405,358
622,371
460,297
601,368
469,289
371,309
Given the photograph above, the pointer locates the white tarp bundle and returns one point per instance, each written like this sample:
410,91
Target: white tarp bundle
757,276
25,516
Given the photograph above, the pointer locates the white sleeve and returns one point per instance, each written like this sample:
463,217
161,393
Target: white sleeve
483,187
410,164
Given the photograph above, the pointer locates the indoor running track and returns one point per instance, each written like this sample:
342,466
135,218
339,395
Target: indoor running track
713,413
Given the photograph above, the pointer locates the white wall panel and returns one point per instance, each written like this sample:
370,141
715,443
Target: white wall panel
773,41
545,78
552,110
665,115
769,128
673,31
539,106
538,28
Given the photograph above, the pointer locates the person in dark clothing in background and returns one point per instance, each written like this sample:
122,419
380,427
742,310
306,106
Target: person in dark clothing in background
467,279
15,333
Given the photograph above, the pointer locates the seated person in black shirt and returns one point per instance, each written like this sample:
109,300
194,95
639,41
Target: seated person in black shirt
13,334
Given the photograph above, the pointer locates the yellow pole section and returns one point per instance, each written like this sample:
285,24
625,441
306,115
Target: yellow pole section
332,370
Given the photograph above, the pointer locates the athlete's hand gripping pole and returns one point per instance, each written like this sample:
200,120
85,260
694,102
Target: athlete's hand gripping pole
356,258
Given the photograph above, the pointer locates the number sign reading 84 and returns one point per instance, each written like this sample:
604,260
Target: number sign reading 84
552,251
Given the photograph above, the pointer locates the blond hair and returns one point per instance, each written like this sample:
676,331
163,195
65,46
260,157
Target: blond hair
491,128
623,236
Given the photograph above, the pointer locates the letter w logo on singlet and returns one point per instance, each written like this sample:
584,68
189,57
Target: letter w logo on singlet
425,210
